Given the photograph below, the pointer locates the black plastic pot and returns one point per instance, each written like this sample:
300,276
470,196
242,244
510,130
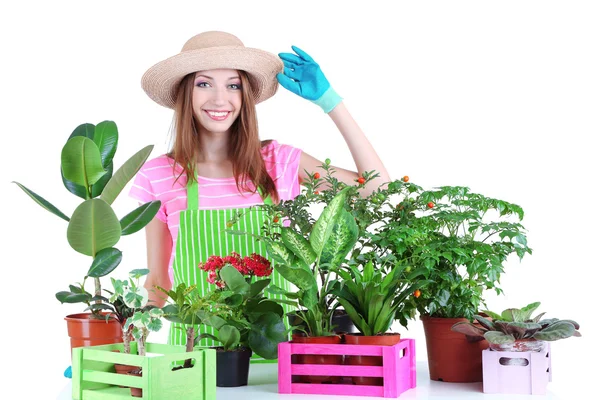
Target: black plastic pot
340,320
233,367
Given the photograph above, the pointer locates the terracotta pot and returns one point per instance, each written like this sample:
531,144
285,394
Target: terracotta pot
451,356
317,358
135,392
124,370
387,339
519,345
87,331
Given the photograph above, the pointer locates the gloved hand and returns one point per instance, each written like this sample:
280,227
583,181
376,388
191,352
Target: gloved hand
68,373
303,76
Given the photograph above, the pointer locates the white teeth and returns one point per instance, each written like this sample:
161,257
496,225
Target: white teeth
217,114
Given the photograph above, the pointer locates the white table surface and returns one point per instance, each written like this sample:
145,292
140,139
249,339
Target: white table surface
262,385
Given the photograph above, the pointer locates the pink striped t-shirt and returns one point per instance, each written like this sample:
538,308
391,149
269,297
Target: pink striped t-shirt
156,181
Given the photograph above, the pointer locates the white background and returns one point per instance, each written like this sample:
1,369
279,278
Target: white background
502,97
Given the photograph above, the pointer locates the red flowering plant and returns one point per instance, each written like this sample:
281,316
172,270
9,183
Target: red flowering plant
249,266
242,315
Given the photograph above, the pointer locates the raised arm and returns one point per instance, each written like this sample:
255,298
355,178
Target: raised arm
303,76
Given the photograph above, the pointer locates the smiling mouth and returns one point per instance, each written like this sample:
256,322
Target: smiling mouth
218,115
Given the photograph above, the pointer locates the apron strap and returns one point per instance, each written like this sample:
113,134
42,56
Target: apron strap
192,196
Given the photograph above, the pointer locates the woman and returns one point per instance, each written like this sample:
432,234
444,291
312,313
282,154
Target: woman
217,164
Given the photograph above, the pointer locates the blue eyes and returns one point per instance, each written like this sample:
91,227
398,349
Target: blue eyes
233,86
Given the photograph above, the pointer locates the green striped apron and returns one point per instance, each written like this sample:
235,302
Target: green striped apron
201,235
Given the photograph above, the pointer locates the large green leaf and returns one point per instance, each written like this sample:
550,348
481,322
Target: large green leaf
298,245
105,261
139,218
97,187
266,334
80,161
42,202
558,330
342,239
85,130
258,286
234,279
301,278
69,297
124,174
106,137
279,253
328,218
93,227
229,336
266,306
498,337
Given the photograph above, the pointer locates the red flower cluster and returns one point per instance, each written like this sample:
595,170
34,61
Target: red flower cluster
253,265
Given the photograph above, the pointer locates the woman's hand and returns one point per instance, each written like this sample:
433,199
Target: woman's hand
303,76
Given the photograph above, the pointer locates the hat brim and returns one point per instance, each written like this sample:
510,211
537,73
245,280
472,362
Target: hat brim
161,81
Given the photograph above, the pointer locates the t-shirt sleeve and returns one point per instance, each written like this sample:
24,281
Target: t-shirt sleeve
143,191
283,164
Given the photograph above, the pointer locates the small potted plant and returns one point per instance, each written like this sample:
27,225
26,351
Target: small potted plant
372,299
518,358
460,241
515,330
128,298
93,228
242,319
151,361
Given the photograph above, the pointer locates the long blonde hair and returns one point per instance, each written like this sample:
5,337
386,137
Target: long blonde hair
244,143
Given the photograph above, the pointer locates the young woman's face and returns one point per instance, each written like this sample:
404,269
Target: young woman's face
217,99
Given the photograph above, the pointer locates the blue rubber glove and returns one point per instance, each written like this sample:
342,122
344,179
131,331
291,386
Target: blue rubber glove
303,76
68,373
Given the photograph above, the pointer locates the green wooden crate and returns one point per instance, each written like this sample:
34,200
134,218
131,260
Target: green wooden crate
94,376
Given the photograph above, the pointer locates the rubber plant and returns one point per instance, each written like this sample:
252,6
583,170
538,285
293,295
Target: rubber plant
93,228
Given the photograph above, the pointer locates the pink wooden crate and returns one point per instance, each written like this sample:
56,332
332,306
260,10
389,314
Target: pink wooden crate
516,378
398,371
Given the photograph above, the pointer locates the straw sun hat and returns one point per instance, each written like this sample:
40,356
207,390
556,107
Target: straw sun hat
212,50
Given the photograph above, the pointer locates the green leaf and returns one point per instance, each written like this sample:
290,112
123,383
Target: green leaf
299,277
155,325
298,245
139,218
257,287
328,218
498,337
215,321
93,227
267,306
273,289
309,298
266,333
229,336
279,253
69,297
106,137
105,261
556,331
124,174
234,280
85,130
45,204
342,239
80,161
